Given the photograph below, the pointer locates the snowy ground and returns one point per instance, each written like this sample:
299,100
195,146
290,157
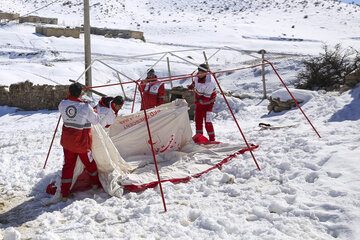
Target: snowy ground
308,187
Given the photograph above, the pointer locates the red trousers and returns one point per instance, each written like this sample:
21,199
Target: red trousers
204,113
69,166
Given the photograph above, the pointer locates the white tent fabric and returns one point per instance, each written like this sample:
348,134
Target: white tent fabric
124,158
177,156
111,166
170,130
179,166
169,126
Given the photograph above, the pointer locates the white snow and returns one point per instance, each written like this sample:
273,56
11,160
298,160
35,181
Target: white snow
298,94
308,187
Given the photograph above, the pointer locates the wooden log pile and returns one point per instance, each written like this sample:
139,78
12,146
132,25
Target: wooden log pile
277,105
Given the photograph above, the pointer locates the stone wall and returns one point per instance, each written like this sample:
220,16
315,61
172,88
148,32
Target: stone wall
58,32
75,32
9,16
4,95
37,19
29,97
278,106
117,33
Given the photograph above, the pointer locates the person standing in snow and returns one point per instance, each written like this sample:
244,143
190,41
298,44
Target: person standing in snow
76,138
205,95
108,108
153,91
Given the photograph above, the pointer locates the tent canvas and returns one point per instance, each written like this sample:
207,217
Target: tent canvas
170,130
124,157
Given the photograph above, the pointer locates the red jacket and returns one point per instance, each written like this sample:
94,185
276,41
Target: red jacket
205,90
153,94
77,117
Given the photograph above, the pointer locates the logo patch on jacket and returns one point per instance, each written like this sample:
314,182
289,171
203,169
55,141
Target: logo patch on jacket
71,111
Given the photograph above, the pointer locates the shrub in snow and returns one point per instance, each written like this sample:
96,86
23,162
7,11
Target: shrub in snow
328,70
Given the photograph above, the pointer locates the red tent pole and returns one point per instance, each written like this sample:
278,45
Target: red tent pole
293,97
174,78
57,125
132,109
153,152
247,144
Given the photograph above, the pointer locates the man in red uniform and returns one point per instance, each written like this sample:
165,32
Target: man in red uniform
205,94
153,91
76,138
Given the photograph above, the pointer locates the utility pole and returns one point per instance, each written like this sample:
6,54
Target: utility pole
88,80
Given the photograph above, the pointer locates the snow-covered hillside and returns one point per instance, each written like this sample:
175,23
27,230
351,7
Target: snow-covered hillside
291,27
307,187
309,20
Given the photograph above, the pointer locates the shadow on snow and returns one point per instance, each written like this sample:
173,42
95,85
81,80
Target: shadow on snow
32,208
351,111
16,111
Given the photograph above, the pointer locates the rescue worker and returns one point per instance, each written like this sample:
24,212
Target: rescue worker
76,138
153,91
108,108
205,94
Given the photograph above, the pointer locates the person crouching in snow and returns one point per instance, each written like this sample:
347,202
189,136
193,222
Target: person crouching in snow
76,138
205,94
153,91
108,108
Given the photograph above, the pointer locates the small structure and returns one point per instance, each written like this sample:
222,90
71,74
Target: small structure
58,32
37,19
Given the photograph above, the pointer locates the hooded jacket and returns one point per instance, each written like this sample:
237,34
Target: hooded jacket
77,118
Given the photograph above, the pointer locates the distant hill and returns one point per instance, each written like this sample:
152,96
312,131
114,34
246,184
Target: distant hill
161,11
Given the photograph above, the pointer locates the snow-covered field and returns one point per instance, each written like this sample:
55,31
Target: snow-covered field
308,187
